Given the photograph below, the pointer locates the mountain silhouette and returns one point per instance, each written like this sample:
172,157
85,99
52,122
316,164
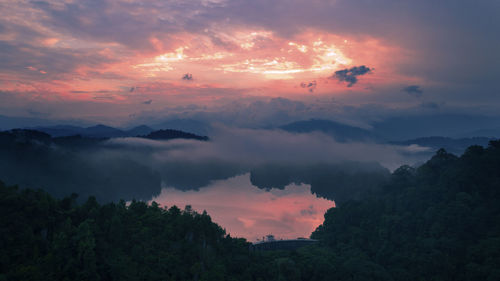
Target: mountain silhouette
341,132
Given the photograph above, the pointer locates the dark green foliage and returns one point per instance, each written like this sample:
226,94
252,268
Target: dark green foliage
339,182
42,238
173,134
440,221
452,145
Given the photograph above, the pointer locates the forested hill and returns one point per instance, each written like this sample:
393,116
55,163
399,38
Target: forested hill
42,238
440,221
173,134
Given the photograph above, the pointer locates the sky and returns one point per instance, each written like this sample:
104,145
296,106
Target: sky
122,61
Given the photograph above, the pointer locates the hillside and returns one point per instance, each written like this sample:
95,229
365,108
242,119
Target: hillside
452,145
47,239
87,166
173,134
437,222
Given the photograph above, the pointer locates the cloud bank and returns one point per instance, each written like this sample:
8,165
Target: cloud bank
414,90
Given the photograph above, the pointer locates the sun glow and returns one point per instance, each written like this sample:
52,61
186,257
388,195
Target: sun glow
323,58
249,60
178,55
257,52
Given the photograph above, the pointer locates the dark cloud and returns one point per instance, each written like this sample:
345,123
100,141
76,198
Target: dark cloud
106,97
43,63
132,89
414,90
37,113
311,86
147,102
350,75
90,92
431,105
105,75
187,77
466,34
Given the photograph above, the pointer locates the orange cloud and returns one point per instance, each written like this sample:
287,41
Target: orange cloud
256,62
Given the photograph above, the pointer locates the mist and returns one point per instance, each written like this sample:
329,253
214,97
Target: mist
136,168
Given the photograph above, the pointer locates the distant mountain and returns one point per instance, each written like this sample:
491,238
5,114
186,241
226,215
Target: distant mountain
76,137
490,133
186,125
64,165
139,131
456,146
24,136
341,132
97,131
173,134
59,130
11,122
102,131
107,169
402,128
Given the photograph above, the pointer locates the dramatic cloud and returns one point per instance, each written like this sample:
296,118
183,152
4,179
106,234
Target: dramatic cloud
187,77
414,90
311,86
350,75
242,49
431,105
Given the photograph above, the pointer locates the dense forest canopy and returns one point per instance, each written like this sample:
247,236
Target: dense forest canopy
440,221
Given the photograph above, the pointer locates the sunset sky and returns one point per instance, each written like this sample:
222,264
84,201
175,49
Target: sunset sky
116,61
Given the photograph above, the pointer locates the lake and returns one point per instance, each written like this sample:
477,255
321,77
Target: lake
246,211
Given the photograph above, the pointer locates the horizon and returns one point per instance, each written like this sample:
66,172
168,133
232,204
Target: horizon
324,96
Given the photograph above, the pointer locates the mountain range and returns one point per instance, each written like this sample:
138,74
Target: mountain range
344,133
97,131
340,132
450,138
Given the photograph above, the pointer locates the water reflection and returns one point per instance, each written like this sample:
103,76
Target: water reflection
247,211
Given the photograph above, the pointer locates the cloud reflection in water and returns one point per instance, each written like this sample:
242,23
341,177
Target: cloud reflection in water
249,212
